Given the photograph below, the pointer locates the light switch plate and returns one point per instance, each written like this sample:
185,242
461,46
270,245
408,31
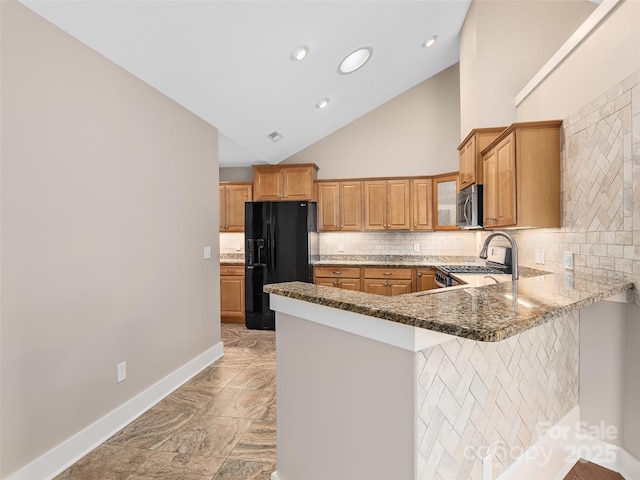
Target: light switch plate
206,253
567,260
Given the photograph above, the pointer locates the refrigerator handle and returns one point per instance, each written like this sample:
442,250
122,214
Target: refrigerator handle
271,248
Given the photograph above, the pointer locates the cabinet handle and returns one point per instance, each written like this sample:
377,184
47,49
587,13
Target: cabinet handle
387,273
230,270
338,272
419,274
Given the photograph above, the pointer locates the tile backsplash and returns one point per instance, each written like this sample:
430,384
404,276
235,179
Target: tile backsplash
397,243
600,162
377,243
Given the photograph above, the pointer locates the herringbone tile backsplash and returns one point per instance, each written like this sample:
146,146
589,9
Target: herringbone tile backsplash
600,191
476,397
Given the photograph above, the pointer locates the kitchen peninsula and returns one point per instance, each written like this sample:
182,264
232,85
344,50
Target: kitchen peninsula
439,384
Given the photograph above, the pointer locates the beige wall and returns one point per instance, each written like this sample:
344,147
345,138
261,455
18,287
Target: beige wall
108,195
502,46
415,133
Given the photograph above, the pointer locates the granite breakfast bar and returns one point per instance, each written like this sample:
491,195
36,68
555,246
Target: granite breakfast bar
426,385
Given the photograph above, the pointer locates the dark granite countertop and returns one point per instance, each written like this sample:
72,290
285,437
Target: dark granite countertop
489,313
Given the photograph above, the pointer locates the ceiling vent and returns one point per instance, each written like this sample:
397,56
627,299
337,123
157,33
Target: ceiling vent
275,136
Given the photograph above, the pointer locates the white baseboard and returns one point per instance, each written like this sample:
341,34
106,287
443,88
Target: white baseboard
71,450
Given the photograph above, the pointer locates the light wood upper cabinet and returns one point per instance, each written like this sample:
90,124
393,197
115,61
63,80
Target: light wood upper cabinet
387,204
339,206
445,190
232,293
284,182
231,198
522,177
470,155
421,204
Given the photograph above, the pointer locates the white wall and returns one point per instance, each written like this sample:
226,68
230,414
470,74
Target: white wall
108,196
416,133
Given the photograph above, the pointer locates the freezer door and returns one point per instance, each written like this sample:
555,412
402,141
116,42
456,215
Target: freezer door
257,314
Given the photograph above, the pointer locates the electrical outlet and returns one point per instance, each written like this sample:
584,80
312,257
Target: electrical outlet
238,247
341,247
567,260
541,257
122,371
416,247
486,467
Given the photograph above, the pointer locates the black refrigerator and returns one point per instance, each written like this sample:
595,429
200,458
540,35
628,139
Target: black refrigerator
281,244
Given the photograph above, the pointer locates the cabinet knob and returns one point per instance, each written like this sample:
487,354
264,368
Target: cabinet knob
230,270
419,274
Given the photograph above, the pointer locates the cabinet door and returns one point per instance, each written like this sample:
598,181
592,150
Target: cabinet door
422,204
351,206
375,201
398,205
298,183
506,160
445,190
328,206
231,294
349,284
490,189
467,157
375,285
237,195
425,279
399,287
267,184
222,207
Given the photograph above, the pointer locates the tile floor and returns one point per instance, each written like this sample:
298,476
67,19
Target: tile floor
220,425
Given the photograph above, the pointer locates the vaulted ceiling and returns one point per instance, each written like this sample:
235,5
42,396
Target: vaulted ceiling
229,62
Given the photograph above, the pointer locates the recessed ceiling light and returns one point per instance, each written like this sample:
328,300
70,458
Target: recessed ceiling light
355,60
299,53
322,103
429,41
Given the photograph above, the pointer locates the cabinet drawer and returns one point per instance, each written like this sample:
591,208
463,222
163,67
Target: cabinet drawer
337,272
401,273
231,270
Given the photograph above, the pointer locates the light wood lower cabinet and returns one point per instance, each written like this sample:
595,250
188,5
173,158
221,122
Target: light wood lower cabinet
425,279
339,277
232,293
387,281
379,280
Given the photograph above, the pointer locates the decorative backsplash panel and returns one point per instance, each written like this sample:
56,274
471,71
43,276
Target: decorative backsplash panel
476,397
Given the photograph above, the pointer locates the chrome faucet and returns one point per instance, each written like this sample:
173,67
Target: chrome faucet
514,251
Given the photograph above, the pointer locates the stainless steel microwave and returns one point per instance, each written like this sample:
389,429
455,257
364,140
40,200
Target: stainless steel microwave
469,212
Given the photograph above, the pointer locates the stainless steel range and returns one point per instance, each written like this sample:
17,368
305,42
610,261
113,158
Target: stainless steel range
498,262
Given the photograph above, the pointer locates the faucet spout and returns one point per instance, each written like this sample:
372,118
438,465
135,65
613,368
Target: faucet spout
514,251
